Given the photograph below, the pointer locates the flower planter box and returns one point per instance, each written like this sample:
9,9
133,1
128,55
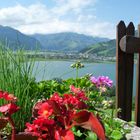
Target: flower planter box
135,134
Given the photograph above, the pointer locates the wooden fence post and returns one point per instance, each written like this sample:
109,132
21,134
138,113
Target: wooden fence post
137,111
130,30
124,73
121,31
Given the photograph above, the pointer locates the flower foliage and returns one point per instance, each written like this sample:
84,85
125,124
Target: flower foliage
55,117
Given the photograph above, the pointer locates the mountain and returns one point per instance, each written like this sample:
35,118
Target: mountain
107,48
15,39
67,41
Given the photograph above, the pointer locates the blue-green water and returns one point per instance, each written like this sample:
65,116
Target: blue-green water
61,69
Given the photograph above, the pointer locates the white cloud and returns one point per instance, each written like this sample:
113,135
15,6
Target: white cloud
20,15
66,15
77,6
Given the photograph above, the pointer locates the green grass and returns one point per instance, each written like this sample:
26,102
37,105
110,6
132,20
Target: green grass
16,76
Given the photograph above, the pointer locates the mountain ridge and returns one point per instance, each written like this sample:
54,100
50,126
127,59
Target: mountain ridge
67,41
64,41
15,39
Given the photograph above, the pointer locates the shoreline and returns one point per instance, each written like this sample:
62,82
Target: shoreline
69,56
73,60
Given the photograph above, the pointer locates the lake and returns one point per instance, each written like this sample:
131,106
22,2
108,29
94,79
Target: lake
45,70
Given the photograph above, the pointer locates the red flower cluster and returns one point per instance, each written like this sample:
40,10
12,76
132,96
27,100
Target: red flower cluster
46,110
78,93
11,107
8,109
56,116
7,96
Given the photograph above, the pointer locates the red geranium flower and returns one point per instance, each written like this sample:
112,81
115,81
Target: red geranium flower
9,108
57,115
46,110
5,95
70,99
30,127
80,94
9,97
1,94
64,135
57,98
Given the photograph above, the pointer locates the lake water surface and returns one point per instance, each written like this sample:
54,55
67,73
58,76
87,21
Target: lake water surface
45,70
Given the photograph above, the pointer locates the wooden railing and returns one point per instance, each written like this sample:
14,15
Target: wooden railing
126,46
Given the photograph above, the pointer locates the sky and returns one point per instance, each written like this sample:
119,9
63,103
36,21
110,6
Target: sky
90,17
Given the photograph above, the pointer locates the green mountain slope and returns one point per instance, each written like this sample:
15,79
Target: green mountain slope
67,41
17,40
107,48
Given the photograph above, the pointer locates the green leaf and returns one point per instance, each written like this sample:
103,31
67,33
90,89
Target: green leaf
116,135
107,128
78,133
91,136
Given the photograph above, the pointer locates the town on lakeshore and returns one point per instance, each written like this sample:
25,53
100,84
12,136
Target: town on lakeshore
70,56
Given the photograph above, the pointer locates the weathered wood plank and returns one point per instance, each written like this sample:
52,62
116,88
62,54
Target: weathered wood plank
130,44
137,112
124,73
130,30
120,71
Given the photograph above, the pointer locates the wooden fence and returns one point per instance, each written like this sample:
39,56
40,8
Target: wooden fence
126,46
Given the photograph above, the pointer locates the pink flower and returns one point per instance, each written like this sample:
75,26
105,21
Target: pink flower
101,81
